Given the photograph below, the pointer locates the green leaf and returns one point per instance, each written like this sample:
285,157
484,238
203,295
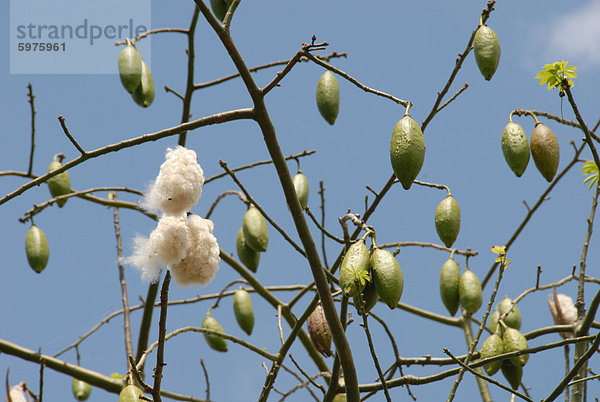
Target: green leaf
554,73
589,168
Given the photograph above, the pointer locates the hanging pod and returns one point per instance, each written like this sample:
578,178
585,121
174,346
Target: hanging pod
130,393
512,372
144,94
356,258
515,147
328,97
242,308
447,220
407,150
130,68
215,342
301,186
36,248
255,230
513,341
61,183
81,389
469,292
492,347
512,319
247,256
545,151
449,280
369,296
387,276
220,7
486,47
319,332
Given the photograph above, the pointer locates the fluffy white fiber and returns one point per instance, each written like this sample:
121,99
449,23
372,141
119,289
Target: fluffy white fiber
563,311
171,239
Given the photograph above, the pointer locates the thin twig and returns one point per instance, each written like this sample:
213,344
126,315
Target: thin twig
520,112
162,329
153,32
206,379
30,98
324,231
220,197
69,136
322,207
468,252
460,91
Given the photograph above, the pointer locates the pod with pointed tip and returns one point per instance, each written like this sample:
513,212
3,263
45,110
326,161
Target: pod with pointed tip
144,93
130,393
61,183
492,347
545,151
247,256
301,187
36,248
515,148
339,398
486,47
319,332
470,294
215,342
512,372
513,318
81,389
130,68
407,150
357,257
387,276
447,220
369,295
220,7
513,341
449,280
328,97
255,230
242,307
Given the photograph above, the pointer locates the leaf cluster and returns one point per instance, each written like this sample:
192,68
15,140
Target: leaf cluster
553,74
591,169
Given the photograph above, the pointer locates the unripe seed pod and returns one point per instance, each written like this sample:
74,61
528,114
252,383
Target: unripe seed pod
215,342
61,183
36,248
486,47
545,151
144,93
319,332
242,307
369,295
255,230
449,280
469,292
387,276
220,7
407,150
130,68
513,318
339,398
491,347
81,389
301,187
512,372
357,257
515,148
328,97
513,341
247,256
447,220
130,393
494,322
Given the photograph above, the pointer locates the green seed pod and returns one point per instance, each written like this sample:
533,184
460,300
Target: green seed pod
407,150
130,393
319,332
491,347
545,151
61,183
515,148
387,276
81,389
494,322
328,97
512,372
356,258
242,307
469,292
301,187
513,341
447,220
512,319
339,398
144,93
369,296
220,7
486,47
255,230
449,280
215,342
130,68
36,248
247,256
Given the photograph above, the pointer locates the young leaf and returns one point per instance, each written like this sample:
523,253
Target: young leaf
589,168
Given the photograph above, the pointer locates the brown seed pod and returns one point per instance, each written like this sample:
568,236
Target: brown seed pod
545,151
319,331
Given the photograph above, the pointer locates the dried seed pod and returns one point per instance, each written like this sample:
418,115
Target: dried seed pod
545,151
130,393
449,280
328,97
387,276
242,307
563,311
515,148
130,68
81,389
36,248
255,230
512,372
215,342
301,187
319,331
486,47
491,347
513,341
247,256
61,183
469,292
356,258
144,93
407,150
447,220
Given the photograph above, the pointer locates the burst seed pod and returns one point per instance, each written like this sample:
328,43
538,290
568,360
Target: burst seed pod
242,307
513,341
512,372
130,393
130,68
369,295
36,248
220,7
469,292
491,347
449,280
144,93
407,150
356,258
387,276
447,220
215,342
515,148
486,47
319,331
255,230
61,183
81,389
545,151
301,187
328,97
247,256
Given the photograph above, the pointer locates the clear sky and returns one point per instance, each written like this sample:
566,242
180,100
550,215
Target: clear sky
407,49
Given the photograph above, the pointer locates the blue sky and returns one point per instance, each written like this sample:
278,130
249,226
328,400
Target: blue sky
406,49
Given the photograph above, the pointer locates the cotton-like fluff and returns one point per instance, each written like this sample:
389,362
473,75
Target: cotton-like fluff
178,186
17,393
202,260
171,239
563,311
144,259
